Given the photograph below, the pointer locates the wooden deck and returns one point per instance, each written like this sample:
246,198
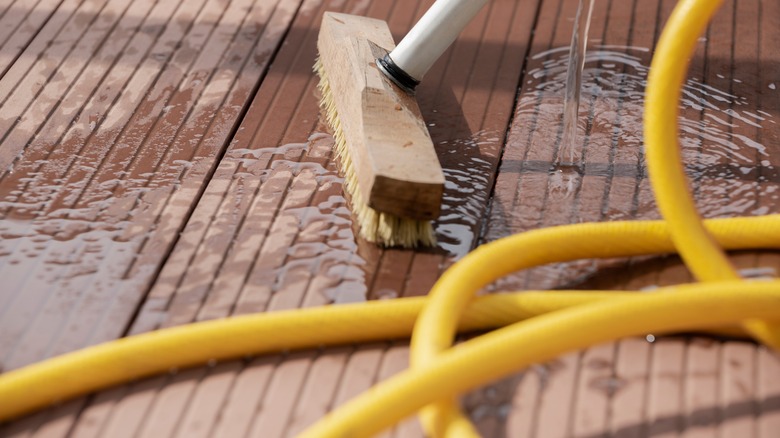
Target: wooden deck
163,162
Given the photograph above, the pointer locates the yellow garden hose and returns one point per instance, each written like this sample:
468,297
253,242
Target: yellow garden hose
701,254
504,351
435,328
697,248
123,360
120,361
551,323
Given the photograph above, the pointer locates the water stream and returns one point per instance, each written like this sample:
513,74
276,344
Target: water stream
568,153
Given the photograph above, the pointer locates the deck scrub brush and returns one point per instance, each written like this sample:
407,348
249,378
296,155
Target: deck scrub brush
392,174
375,226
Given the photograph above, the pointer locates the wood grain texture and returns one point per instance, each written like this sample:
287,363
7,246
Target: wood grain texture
118,124
168,164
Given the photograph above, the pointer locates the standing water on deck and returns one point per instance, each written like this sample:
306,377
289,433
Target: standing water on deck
725,137
720,136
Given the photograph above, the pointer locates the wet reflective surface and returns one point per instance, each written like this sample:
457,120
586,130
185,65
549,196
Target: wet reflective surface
120,113
722,135
720,156
79,215
141,190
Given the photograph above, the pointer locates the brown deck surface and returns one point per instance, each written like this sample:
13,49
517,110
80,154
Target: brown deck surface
163,162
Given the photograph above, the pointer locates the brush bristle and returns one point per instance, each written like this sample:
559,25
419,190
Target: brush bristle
377,227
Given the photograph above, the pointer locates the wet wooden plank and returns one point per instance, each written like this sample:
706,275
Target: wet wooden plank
628,403
395,360
20,87
489,406
83,226
143,100
738,390
206,403
702,363
768,388
133,407
595,387
664,399
317,395
32,308
521,418
556,399
768,83
93,419
172,400
20,22
244,398
19,53
283,392
635,409
276,191
272,230
248,185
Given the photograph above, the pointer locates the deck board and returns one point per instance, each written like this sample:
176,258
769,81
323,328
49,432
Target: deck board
165,162
295,250
89,222
20,22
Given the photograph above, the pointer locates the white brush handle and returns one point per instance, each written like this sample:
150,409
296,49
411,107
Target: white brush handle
431,36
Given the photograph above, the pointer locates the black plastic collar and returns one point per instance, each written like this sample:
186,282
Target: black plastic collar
396,74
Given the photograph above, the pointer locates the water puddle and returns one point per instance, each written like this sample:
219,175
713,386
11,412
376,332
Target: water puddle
314,245
465,192
730,168
311,241
83,223
604,177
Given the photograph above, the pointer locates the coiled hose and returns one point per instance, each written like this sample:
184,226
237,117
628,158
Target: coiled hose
552,322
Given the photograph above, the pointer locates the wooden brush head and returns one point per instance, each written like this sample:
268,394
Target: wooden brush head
393,161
